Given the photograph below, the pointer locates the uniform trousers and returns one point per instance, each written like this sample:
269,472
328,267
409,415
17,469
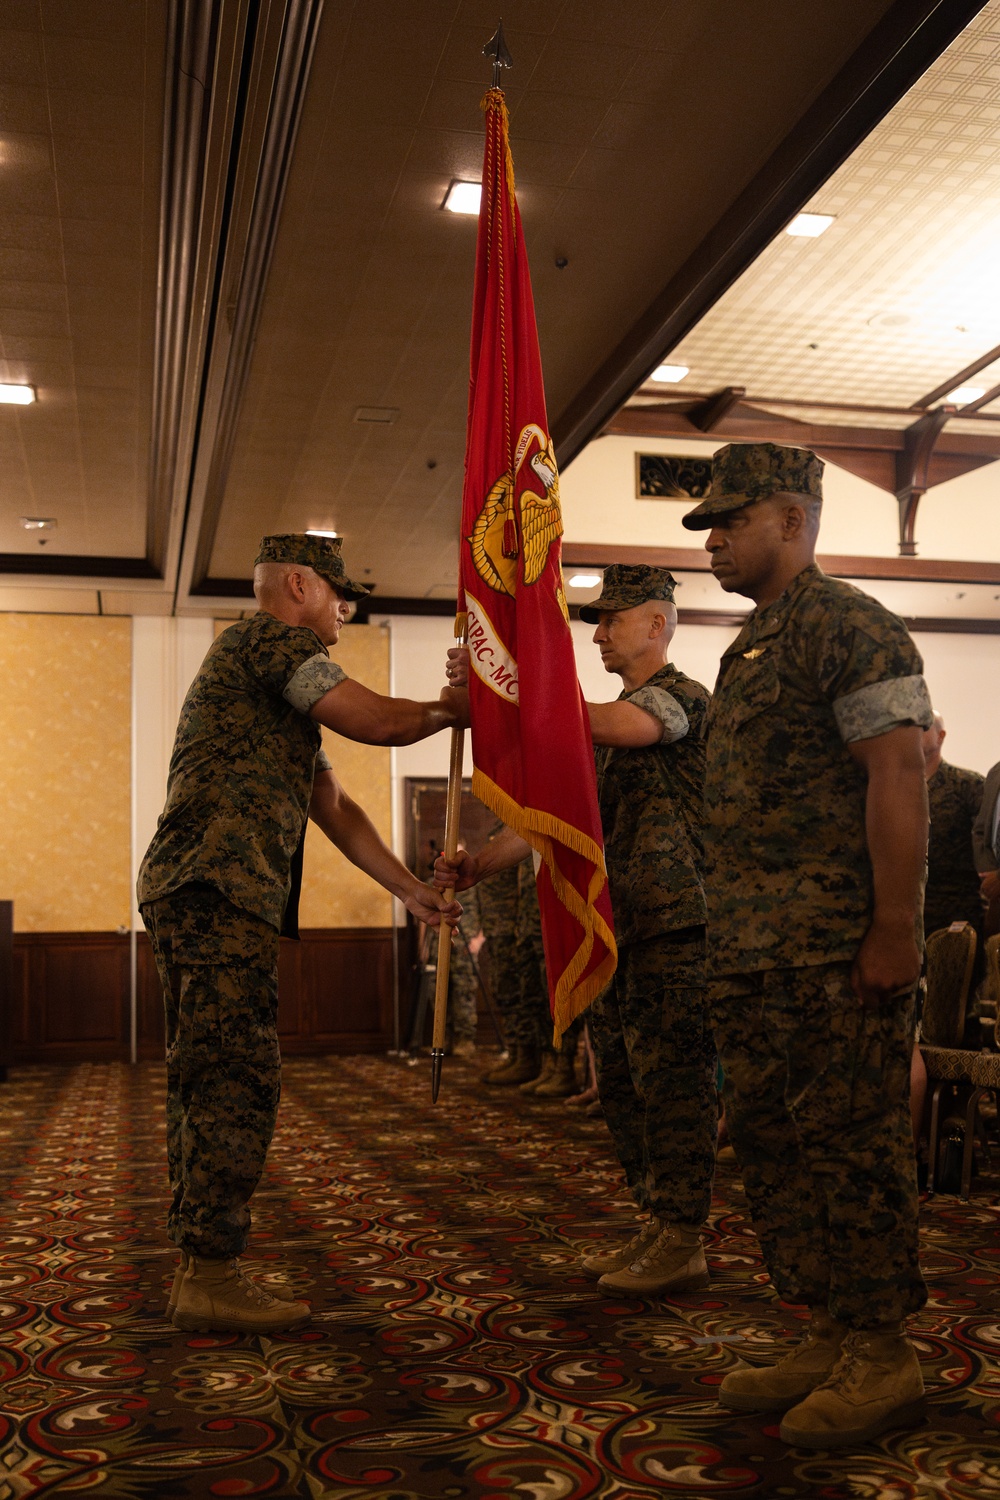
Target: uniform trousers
817,1105
463,987
219,969
656,1070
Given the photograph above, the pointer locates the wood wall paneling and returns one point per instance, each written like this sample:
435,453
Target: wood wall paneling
346,981
6,984
69,999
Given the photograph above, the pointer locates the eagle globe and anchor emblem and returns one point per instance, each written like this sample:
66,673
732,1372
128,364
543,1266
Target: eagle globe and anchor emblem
494,541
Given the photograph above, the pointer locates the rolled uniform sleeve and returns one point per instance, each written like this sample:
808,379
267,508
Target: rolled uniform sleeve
323,762
312,681
664,707
870,671
881,706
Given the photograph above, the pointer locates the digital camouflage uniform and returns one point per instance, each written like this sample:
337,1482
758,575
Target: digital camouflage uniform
952,893
816,1084
463,975
212,890
653,1048
532,1024
498,915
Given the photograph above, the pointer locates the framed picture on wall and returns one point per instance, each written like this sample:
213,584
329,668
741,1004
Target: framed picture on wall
671,476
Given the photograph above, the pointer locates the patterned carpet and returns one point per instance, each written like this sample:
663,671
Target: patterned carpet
456,1351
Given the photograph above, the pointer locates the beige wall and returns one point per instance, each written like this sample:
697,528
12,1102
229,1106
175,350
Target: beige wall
65,776
65,745
958,520
335,893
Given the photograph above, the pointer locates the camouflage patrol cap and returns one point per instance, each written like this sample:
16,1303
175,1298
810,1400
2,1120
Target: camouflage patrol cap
745,472
321,553
625,586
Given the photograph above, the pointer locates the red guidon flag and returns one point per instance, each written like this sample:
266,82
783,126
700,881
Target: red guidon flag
534,763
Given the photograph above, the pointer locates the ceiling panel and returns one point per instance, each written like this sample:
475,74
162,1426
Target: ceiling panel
902,290
632,128
81,124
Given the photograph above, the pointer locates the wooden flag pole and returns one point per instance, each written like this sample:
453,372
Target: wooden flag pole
452,820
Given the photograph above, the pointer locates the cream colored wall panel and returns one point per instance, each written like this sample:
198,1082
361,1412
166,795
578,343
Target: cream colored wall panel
166,654
962,672
136,602
336,893
65,771
961,519
598,493
49,601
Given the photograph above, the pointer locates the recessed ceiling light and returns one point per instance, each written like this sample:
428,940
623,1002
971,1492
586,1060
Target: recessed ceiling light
463,197
585,580
964,394
809,226
890,320
669,374
17,395
39,523
314,531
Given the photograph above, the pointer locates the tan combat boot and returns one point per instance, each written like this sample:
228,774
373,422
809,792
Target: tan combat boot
602,1262
876,1384
801,1370
542,1074
277,1289
504,1061
561,1081
673,1262
522,1066
216,1295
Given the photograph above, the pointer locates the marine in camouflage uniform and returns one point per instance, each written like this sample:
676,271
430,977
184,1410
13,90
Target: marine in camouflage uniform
498,915
816,1082
213,889
549,1069
509,901
533,1021
652,1042
463,975
954,796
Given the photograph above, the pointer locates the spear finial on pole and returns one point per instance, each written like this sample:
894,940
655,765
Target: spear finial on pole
496,48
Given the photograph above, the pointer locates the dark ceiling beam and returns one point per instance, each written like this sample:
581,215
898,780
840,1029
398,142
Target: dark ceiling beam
897,51
804,403
956,380
75,565
746,422
696,560
972,408
714,409
913,464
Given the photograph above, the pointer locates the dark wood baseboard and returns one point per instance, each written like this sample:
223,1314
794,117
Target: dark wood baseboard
70,995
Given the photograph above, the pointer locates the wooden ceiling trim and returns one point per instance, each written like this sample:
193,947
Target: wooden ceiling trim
904,43
873,453
956,380
918,624
286,62
714,409
75,565
838,565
